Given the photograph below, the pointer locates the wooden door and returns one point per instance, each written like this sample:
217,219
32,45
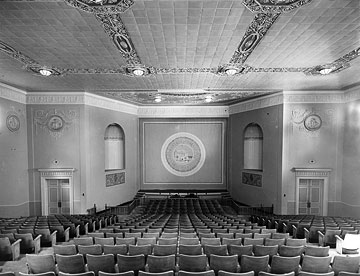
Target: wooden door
58,196
311,196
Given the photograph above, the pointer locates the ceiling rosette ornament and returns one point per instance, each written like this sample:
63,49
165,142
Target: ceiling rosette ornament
101,6
273,6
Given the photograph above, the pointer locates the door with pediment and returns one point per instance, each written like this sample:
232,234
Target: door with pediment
58,196
311,197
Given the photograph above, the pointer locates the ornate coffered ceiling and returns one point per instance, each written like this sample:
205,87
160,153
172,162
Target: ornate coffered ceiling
188,52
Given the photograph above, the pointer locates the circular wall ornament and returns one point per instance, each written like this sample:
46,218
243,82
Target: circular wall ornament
13,122
312,122
55,123
183,154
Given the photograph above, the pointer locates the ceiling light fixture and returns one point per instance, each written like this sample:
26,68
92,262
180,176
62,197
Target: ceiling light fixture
325,70
157,99
138,72
45,72
208,98
231,71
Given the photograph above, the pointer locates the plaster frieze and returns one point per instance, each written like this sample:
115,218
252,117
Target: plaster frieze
12,94
183,112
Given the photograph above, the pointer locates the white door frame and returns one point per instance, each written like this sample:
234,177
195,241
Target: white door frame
46,174
305,173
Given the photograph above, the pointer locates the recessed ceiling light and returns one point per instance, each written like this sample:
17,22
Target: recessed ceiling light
325,71
138,72
45,72
208,98
231,71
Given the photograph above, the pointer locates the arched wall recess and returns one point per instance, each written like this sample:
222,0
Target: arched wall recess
114,147
253,147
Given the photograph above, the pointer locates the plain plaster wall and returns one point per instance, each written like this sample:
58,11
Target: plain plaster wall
54,149
96,192
270,121
350,190
14,182
320,148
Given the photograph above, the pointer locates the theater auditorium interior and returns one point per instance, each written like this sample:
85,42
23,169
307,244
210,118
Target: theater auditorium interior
179,137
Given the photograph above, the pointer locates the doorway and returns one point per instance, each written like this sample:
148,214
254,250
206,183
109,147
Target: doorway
56,191
311,196
59,196
311,191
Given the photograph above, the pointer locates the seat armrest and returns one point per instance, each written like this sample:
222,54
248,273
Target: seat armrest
37,244
307,234
294,231
276,225
339,244
67,234
15,249
94,226
321,238
284,227
77,231
86,228
53,237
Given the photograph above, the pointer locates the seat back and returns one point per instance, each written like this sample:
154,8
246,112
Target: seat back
226,273
167,241
220,250
164,250
193,263
190,249
241,250
248,241
5,249
225,263
86,273
304,273
316,264
345,263
27,242
49,273
103,241
70,263
201,273
127,241
146,241
161,263
210,241
280,265
128,263
115,249
126,273
188,241
64,249
291,251
40,263
317,251
278,242
83,241
96,263
254,263
165,273
140,249
263,250
296,242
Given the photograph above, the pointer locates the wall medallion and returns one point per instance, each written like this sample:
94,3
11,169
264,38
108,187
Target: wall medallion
55,122
312,122
183,154
13,122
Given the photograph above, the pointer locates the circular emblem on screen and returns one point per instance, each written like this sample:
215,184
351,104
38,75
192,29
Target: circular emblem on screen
183,154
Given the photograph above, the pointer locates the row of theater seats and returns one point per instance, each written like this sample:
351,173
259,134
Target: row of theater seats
190,263
336,232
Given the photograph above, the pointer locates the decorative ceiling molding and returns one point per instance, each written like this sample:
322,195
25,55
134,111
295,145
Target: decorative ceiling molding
115,28
12,94
183,112
273,6
34,66
254,33
174,97
101,6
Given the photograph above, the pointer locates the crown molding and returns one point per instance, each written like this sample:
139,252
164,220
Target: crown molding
106,103
352,94
12,94
183,111
266,101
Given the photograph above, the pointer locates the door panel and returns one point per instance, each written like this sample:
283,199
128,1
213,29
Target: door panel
310,196
58,196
